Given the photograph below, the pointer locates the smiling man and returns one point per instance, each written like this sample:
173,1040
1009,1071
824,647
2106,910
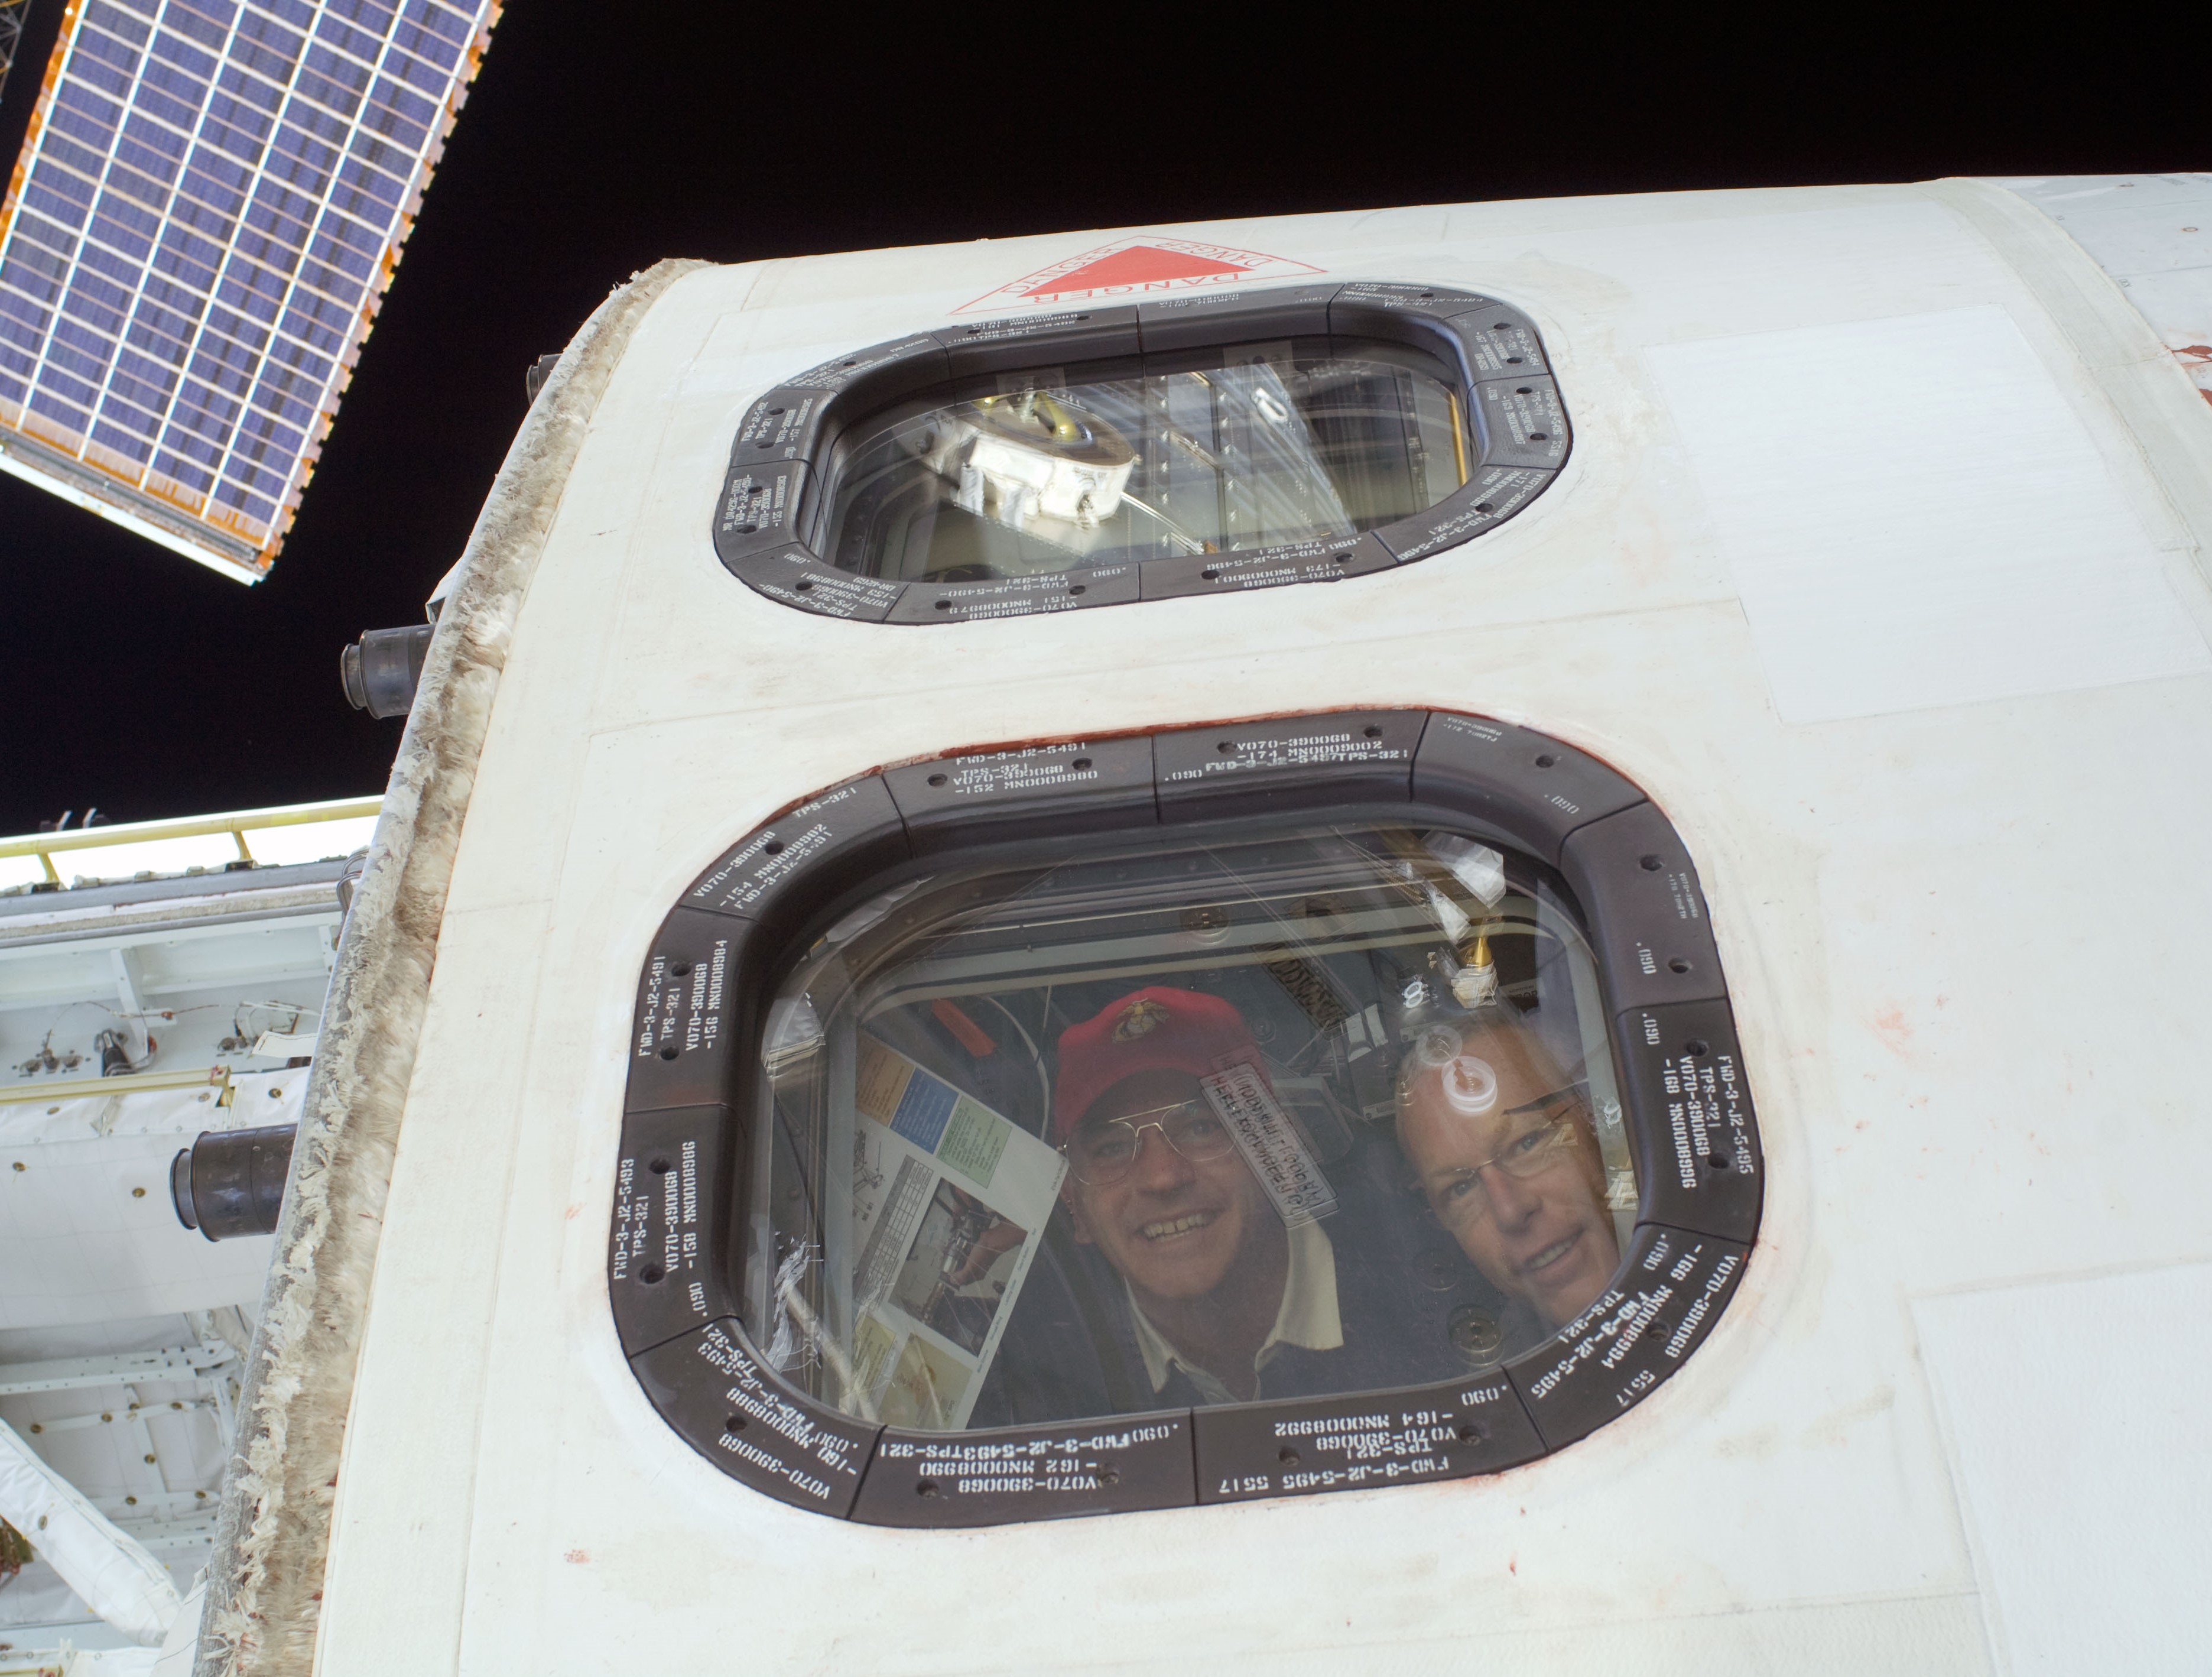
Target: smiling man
1502,1145
1219,1291
1169,1279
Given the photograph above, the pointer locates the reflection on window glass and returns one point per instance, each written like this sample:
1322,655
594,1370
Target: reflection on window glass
1264,445
1183,1124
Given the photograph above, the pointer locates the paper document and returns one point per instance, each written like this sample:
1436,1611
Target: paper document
949,1205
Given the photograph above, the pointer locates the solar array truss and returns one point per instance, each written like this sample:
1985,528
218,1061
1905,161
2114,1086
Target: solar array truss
11,35
208,205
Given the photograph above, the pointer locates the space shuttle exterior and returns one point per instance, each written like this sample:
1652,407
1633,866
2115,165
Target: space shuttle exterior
1465,935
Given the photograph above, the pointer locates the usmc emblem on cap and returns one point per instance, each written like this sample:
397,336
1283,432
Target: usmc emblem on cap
1139,1018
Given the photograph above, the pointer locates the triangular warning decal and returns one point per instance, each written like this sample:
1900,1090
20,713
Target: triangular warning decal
1140,264
1135,270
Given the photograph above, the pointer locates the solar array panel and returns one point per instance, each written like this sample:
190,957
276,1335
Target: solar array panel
208,206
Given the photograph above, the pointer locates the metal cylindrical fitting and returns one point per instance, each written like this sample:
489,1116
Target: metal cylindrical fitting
231,1182
381,670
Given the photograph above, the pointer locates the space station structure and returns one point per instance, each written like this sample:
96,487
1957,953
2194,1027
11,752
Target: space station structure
1359,942
161,996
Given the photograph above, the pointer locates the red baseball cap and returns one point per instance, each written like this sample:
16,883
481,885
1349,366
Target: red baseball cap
1152,1029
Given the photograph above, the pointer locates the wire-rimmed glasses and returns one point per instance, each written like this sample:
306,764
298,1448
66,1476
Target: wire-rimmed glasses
1104,1152
1461,1196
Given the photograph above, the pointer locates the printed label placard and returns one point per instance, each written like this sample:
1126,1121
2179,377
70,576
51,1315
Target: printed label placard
728,1407
980,1478
1271,1144
1377,1438
1672,1288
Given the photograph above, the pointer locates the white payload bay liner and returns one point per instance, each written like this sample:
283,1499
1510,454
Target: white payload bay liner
1879,563
114,1574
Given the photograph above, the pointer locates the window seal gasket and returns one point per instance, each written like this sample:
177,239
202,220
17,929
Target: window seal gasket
773,500
672,1272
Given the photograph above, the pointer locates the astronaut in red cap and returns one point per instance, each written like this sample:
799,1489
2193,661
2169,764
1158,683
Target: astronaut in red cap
1220,1288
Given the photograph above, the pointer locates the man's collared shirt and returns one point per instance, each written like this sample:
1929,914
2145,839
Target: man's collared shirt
1307,1319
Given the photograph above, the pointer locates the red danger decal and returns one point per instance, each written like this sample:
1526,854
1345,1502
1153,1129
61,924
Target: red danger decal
1136,268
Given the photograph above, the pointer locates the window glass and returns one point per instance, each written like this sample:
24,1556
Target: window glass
1174,1123
1254,447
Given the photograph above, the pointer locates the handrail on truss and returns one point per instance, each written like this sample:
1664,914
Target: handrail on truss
47,845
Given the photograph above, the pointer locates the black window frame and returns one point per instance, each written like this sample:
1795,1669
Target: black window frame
715,961
776,493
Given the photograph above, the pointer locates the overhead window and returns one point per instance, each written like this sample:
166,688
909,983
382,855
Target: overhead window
1288,1106
1216,443
1259,448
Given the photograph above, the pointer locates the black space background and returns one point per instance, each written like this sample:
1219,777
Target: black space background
598,139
